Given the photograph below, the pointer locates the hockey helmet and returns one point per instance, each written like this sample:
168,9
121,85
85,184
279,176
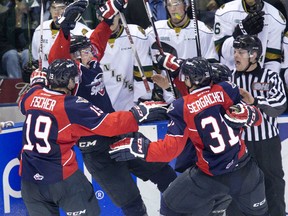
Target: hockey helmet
78,42
60,3
220,73
198,70
61,71
251,43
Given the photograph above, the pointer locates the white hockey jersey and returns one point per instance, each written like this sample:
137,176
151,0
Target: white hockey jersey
230,14
48,38
285,51
183,39
119,65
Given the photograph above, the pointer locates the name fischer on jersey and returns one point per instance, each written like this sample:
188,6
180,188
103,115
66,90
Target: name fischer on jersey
206,100
43,103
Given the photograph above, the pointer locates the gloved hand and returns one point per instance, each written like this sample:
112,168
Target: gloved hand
168,61
240,115
6,124
129,148
149,111
252,24
111,8
71,15
38,77
28,69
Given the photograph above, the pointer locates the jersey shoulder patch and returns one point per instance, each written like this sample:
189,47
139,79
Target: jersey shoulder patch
141,30
81,100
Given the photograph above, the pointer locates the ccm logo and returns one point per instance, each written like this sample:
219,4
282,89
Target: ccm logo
139,144
255,205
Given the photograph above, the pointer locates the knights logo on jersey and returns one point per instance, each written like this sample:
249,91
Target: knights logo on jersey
261,86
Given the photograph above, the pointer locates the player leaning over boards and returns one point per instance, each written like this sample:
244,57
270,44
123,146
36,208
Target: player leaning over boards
224,168
50,30
113,177
179,33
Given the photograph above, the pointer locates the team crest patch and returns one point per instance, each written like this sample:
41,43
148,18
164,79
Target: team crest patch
141,30
84,31
261,86
81,100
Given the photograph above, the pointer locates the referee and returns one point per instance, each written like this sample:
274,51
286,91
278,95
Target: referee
264,89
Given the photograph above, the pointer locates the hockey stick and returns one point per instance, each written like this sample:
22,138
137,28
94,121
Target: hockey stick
160,48
195,20
141,70
41,37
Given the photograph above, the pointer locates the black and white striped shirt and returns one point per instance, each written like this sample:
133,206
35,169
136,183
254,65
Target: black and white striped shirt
268,88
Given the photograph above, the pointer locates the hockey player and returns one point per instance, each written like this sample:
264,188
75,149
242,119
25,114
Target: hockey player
284,65
179,32
263,88
252,17
119,65
222,159
48,166
50,30
113,177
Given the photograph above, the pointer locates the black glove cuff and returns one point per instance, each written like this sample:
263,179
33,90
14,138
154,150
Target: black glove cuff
237,32
66,33
255,102
109,21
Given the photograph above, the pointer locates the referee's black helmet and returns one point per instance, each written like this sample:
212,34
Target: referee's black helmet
251,43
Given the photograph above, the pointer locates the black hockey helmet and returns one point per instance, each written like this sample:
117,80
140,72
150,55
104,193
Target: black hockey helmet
251,43
198,70
220,73
78,42
60,72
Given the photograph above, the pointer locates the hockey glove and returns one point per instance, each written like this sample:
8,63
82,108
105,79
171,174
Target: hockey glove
28,69
252,24
71,15
6,124
111,8
38,77
168,61
149,111
240,115
130,148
